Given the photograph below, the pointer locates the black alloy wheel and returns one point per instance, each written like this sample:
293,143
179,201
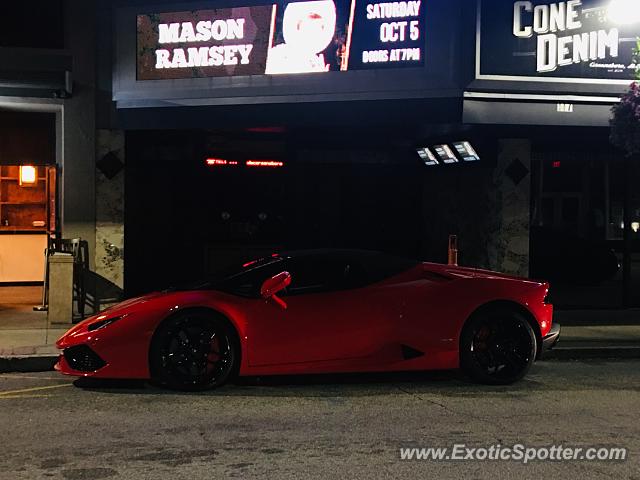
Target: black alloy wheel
193,351
497,347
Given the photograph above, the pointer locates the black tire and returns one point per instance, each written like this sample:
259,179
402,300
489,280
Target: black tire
497,347
194,350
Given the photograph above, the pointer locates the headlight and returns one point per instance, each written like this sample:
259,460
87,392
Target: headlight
103,322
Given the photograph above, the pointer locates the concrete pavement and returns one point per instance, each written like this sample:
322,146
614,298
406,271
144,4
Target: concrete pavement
28,350
318,427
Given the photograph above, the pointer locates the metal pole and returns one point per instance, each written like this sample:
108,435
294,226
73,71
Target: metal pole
453,250
626,262
45,285
607,201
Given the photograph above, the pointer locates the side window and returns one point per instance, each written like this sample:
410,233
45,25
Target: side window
248,284
316,274
378,267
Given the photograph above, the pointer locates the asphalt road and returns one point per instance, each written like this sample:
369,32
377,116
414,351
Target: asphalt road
318,427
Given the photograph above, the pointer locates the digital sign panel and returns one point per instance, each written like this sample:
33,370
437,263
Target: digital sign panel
445,154
280,38
466,152
540,40
427,156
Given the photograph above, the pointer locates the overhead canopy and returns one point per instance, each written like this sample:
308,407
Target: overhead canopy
531,109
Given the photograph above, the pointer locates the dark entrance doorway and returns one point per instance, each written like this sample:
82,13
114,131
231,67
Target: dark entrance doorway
185,218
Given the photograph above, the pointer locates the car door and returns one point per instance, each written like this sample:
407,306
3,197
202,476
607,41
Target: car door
331,315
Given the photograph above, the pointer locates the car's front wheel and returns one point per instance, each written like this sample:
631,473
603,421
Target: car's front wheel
497,347
193,351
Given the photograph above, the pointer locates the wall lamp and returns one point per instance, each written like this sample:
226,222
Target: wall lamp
28,176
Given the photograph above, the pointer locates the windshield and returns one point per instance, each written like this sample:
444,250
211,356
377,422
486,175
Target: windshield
312,271
230,278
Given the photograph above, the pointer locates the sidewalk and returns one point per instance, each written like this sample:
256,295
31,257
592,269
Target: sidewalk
28,350
32,341
585,334
597,334
597,317
27,343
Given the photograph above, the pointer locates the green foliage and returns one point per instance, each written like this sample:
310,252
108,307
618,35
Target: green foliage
636,58
625,122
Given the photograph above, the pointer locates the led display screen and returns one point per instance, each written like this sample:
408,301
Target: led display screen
466,152
427,156
281,38
445,154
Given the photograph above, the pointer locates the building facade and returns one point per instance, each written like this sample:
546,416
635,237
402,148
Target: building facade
189,134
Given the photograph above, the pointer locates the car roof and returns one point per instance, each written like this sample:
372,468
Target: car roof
329,252
341,253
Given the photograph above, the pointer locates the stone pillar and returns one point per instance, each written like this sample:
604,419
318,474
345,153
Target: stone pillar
109,254
109,234
77,196
510,203
60,289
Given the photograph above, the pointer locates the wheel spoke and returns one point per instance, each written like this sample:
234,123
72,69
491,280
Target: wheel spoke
501,347
196,353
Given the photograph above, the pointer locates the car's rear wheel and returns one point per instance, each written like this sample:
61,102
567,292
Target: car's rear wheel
497,347
193,351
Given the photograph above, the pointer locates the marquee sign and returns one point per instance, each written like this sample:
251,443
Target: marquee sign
281,38
576,40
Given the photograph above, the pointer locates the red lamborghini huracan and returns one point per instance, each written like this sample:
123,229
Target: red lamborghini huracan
319,311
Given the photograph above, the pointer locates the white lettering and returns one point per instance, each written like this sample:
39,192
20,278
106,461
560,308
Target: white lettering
187,34
204,56
518,29
204,31
609,40
219,30
553,50
547,53
179,59
244,51
162,59
564,53
375,56
169,33
393,31
230,55
216,56
541,19
581,48
572,15
393,10
198,57
558,17
235,28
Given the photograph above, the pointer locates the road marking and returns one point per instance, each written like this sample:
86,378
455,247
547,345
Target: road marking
8,397
8,375
33,389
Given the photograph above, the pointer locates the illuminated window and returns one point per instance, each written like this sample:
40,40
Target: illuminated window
28,175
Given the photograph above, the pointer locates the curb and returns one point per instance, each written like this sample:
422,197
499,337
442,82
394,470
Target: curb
45,363
27,363
593,353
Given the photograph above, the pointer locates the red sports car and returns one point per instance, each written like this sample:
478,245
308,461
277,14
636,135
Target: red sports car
319,311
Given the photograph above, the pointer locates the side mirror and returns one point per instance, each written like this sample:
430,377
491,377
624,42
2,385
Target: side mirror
274,285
